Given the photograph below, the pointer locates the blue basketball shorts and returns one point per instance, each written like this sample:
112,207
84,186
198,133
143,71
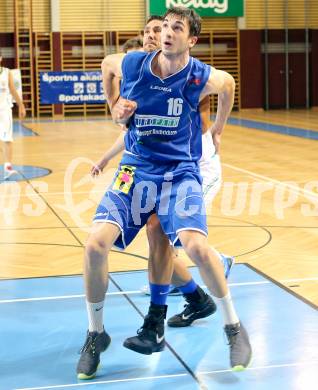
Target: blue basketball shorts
141,188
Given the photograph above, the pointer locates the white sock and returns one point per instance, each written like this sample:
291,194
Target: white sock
227,308
95,316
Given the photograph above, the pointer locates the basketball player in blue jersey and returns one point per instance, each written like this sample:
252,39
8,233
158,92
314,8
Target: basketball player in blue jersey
199,304
159,174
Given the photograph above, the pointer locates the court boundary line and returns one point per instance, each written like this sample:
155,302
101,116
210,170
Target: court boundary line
215,372
285,288
138,292
277,283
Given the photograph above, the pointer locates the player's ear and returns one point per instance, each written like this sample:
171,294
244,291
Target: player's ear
192,41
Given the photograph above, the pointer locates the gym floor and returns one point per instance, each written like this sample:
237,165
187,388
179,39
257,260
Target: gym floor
47,209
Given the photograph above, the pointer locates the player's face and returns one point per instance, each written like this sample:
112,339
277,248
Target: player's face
152,33
175,38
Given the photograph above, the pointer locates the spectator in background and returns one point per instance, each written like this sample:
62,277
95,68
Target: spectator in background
133,44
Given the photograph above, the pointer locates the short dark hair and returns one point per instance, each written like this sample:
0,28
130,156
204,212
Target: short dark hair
193,18
154,17
132,43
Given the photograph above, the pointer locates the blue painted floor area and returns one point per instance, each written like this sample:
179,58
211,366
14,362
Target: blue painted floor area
40,338
24,172
21,131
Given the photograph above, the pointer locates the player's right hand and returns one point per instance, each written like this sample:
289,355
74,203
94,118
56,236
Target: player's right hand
123,110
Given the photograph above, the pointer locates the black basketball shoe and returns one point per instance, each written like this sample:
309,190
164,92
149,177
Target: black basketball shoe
199,305
94,345
150,337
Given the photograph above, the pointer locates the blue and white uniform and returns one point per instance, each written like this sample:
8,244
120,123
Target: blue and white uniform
159,171
210,170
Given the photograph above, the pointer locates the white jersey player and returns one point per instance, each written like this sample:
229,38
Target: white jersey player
7,91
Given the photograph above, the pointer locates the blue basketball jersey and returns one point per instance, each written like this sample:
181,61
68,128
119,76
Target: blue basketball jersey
167,124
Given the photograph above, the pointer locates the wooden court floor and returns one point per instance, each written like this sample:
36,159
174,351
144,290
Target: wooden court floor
266,213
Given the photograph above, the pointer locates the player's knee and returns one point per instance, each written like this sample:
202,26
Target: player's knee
95,252
197,252
192,249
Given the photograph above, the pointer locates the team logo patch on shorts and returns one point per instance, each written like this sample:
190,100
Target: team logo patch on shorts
124,179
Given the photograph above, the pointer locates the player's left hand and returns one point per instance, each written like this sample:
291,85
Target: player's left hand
123,110
217,141
22,111
216,136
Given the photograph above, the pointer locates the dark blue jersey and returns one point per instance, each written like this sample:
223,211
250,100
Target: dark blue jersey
167,124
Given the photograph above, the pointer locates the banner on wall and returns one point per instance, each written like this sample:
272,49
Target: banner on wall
214,8
71,87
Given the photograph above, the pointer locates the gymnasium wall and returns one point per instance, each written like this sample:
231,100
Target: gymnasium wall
279,10
314,67
252,69
95,15
40,11
280,14
129,15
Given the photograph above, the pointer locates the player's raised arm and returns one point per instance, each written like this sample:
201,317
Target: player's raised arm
111,71
205,113
222,84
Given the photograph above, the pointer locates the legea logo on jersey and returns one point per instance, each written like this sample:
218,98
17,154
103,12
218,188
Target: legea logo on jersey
156,120
159,88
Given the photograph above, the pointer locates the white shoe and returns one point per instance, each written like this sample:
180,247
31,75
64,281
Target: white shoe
9,171
145,290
